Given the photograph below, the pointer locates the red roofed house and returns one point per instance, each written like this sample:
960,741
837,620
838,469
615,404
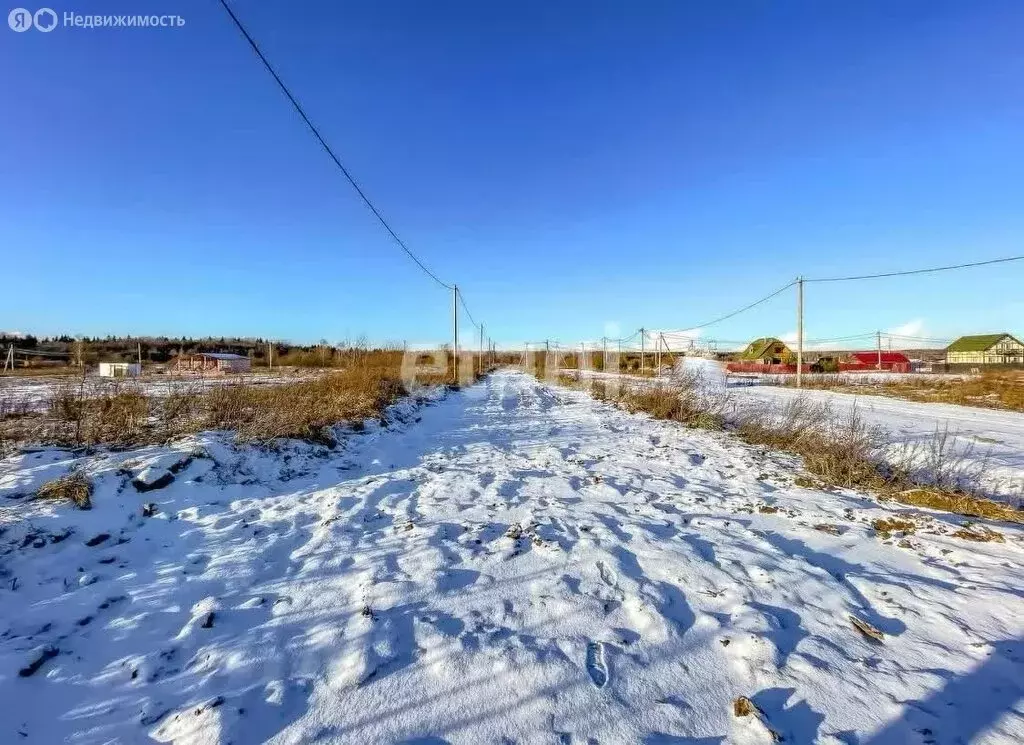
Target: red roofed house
892,361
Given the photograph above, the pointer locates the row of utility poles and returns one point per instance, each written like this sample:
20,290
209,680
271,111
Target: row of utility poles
643,340
479,362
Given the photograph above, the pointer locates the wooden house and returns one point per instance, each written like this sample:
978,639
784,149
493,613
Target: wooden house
986,349
766,351
211,363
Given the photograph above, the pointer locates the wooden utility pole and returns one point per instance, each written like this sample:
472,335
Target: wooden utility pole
643,338
604,354
270,356
455,326
139,344
481,349
879,337
799,331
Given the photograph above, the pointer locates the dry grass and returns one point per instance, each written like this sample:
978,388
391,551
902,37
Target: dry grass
837,450
75,487
684,405
885,527
992,390
682,402
840,451
627,362
979,534
39,371
961,504
304,410
122,415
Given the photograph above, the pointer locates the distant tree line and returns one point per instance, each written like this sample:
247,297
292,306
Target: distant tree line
162,349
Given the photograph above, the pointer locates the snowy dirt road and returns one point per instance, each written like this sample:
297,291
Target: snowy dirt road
511,564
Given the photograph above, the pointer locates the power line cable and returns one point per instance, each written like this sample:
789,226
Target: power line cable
326,147
917,271
41,352
466,308
727,316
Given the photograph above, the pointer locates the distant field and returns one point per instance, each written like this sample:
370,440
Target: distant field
33,393
992,390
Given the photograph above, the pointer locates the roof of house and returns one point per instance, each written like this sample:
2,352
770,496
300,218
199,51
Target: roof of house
220,356
760,347
888,358
978,343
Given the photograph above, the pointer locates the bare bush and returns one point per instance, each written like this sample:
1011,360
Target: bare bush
844,451
84,411
840,450
75,487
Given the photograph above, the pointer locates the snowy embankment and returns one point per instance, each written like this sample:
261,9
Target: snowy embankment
992,440
513,563
989,444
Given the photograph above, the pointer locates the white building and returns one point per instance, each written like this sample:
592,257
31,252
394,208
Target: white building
120,369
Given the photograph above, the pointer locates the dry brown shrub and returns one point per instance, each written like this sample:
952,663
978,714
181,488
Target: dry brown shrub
885,527
840,451
980,534
680,401
74,487
301,410
961,504
84,414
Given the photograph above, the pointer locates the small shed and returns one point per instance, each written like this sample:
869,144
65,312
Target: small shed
216,363
986,349
120,369
767,351
893,361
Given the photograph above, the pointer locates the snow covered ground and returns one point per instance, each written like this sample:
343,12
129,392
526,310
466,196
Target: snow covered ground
511,563
988,442
989,437
992,439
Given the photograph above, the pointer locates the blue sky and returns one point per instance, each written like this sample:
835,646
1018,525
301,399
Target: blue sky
573,166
